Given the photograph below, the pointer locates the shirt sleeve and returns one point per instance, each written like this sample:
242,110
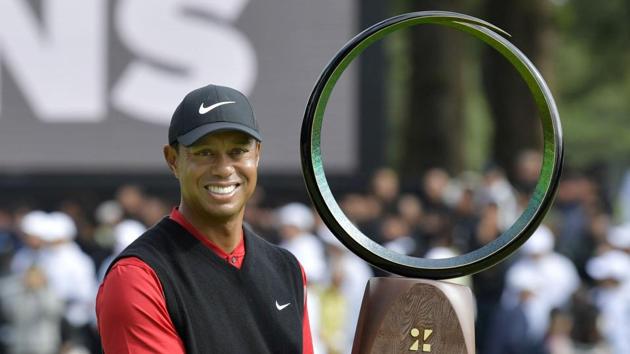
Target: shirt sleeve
307,340
132,314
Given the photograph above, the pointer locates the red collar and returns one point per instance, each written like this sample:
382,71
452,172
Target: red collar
235,257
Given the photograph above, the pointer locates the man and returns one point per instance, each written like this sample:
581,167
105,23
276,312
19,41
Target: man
199,281
611,295
557,275
511,329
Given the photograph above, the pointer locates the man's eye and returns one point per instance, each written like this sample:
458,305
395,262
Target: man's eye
203,153
238,151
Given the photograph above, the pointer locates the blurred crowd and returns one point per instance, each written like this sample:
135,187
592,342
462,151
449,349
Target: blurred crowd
567,290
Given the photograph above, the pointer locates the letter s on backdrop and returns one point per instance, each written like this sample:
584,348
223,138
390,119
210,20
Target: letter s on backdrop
191,51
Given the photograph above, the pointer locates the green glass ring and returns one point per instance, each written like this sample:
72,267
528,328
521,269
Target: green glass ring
476,260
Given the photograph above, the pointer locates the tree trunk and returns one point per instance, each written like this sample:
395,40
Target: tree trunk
432,131
514,114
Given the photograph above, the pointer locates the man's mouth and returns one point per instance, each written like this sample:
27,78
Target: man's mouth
221,190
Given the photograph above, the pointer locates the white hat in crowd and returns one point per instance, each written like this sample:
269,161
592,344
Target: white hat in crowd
296,214
62,227
619,236
125,233
610,265
34,224
540,242
523,279
55,226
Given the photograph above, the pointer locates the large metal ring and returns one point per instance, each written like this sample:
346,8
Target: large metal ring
476,260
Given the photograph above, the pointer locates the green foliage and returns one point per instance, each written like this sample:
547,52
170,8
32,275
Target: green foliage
589,76
592,65
478,124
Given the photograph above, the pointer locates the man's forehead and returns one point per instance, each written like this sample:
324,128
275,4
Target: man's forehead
231,136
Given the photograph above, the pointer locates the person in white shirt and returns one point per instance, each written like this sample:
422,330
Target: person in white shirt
558,278
33,227
296,222
71,275
125,232
612,297
70,271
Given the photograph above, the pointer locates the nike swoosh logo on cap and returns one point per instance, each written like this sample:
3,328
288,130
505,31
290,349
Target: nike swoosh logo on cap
204,110
281,307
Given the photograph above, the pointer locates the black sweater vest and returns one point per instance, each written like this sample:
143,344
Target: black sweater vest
217,308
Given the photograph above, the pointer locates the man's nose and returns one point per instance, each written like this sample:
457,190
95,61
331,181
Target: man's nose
223,166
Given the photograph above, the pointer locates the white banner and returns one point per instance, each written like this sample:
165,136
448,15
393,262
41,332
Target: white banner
91,84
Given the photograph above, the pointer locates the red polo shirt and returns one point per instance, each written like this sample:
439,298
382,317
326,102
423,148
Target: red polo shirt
137,320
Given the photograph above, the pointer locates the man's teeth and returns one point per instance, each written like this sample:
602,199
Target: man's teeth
221,189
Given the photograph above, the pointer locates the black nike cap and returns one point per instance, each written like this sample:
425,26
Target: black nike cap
211,109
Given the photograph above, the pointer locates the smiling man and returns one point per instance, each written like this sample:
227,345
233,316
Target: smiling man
200,281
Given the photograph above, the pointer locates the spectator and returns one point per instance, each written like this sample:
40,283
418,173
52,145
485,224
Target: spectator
497,189
296,223
153,210
108,214
125,233
131,199
512,330
84,231
396,236
528,164
411,211
364,213
489,284
434,185
33,312
465,220
612,297
559,334
34,228
70,274
334,307
350,275
586,331
385,189
557,276
260,217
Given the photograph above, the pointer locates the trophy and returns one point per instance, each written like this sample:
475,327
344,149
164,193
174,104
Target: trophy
417,313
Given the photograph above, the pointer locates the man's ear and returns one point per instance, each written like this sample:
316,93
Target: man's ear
170,156
258,151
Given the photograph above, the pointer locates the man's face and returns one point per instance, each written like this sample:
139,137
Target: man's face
217,174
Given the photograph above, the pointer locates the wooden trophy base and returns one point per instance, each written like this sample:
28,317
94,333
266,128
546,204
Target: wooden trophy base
402,315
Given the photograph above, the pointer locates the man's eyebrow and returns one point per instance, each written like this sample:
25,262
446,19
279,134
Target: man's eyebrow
243,140
197,147
237,141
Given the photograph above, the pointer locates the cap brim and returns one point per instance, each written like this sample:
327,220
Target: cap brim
192,136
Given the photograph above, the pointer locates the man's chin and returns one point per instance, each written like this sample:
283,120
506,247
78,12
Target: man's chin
223,213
